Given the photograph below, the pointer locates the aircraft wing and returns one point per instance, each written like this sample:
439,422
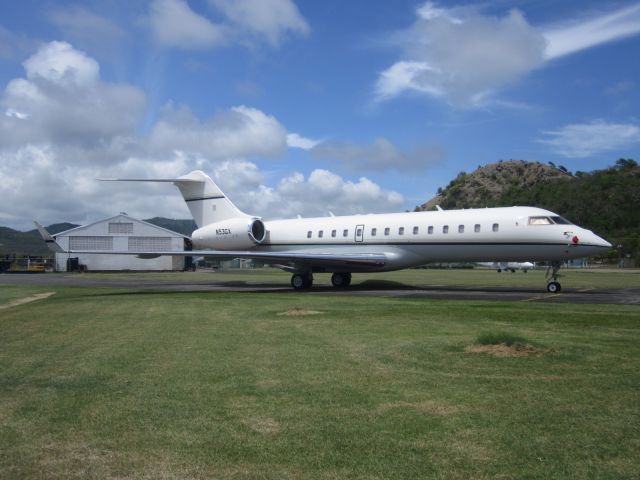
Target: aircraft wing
295,257
287,258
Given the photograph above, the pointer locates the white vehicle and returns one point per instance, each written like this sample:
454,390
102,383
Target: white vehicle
343,245
508,266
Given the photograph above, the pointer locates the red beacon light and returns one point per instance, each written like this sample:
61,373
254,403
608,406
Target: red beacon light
575,239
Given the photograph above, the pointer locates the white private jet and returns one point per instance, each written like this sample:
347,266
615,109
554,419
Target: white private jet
370,243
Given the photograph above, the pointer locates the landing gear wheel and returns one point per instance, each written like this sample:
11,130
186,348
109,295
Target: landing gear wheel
301,281
553,287
341,280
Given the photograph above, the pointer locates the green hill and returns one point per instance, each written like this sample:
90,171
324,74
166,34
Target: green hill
605,201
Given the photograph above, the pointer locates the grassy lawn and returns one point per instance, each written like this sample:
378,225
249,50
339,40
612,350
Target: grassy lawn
106,383
571,278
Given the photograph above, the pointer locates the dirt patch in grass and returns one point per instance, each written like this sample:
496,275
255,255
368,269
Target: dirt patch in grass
22,301
299,312
438,409
504,350
263,425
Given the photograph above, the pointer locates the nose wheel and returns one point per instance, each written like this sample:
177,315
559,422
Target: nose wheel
341,280
554,286
302,281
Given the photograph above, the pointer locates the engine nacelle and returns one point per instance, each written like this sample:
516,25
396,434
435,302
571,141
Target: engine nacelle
231,234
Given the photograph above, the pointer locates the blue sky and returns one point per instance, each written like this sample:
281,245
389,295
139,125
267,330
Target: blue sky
302,107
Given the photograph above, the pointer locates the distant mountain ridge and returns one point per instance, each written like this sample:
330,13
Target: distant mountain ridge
486,186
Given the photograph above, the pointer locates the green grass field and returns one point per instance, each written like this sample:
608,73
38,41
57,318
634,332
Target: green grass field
570,278
107,383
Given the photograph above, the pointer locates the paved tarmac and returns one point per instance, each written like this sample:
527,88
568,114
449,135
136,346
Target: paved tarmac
374,288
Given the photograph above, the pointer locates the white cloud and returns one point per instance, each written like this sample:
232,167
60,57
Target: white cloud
86,27
586,140
239,132
466,57
462,55
60,63
62,126
379,155
297,141
62,99
579,35
271,19
174,24
328,191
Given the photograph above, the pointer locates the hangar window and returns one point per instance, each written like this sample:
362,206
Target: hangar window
430,230
386,231
415,230
153,244
460,228
345,233
401,231
445,229
476,228
120,227
320,233
309,234
374,231
495,227
91,243
333,233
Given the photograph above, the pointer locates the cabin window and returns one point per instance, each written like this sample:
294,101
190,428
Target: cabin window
460,228
476,228
401,231
415,230
333,233
495,227
430,230
540,221
386,231
309,234
320,233
345,233
445,229
373,232
358,233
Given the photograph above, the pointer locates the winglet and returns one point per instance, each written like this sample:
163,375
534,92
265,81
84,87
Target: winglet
48,239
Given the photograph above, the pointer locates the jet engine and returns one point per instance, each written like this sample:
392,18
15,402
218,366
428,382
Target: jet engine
231,234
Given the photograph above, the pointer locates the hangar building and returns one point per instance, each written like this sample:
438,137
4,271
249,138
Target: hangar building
122,233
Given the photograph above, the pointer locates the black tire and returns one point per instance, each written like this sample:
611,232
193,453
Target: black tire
553,287
301,281
341,280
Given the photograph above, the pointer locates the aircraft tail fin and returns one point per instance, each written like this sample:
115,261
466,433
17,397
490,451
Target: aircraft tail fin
206,202
48,239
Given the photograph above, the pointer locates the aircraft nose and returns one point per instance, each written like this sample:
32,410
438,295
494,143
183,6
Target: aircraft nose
600,242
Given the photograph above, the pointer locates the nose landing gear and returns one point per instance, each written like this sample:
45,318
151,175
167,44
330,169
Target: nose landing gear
554,286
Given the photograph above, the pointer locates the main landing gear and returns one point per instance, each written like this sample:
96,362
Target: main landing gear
554,286
341,280
304,281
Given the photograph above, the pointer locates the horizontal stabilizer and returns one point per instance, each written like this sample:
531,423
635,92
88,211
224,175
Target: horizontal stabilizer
48,239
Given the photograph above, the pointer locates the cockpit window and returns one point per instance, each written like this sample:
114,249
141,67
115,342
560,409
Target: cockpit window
540,221
549,221
561,221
